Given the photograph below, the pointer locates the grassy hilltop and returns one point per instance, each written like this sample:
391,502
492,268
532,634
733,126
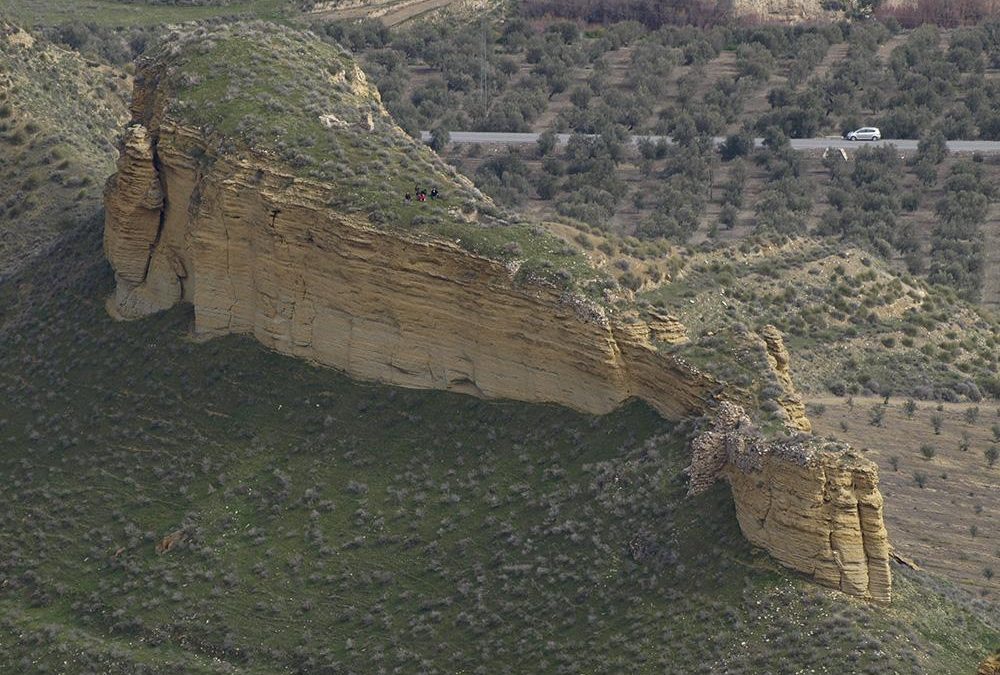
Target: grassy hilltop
303,103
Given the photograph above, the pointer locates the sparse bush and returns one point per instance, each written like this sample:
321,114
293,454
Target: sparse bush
936,422
992,454
971,415
876,416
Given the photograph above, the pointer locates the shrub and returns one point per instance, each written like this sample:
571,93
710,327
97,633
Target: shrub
971,415
992,454
936,422
736,145
876,416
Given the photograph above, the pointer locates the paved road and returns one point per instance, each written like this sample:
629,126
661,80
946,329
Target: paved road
501,138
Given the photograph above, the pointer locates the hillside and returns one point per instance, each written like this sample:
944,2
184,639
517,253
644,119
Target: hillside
691,84
938,482
182,496
58,119
322,524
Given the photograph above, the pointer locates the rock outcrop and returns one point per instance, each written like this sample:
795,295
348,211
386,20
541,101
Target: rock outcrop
778,361
991,666
260,249
258,252
814,506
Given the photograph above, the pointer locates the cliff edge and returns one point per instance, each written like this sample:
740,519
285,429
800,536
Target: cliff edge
270,195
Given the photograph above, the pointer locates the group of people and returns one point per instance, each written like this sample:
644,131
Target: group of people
421,194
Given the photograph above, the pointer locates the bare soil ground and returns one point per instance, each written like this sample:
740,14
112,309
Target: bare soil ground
950,526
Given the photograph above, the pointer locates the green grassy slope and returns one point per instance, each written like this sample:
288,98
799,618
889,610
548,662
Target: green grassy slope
31,13
59,114
332,526
850,322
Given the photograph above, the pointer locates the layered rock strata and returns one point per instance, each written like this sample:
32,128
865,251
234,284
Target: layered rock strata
257,250
814,506
778,361
991,666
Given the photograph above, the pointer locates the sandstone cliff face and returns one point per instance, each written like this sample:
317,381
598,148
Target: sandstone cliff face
258,249
778,360
257,252
815,507
991,666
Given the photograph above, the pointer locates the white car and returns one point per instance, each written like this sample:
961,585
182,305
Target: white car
864,134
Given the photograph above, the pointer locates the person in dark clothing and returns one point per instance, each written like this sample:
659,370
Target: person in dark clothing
407,197
434,193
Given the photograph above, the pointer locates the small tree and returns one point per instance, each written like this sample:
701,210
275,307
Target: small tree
876,417
971,415
936,422
910,407
736,145
920,478
992,454
928,451
996,433
965,442
894,463
933,148
439,138
547,142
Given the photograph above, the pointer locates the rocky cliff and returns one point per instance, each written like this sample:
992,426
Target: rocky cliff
814,506
311,257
